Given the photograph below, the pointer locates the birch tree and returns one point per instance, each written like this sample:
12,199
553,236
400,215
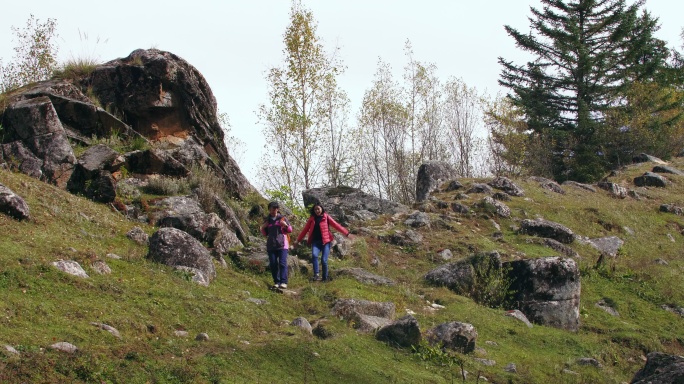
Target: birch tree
384,121
295,116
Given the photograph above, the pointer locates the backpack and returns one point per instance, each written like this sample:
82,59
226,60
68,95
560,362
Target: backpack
287,235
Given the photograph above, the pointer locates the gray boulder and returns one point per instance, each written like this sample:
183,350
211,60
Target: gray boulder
671,208
460,276
560,248
454,335
404,332
646,158
673,309
460,208
650,179
17,156
35,123
453,185
418,219
368,323
173,247
549,185
430,176
365,277
347,204
186,214
347,309
63,346
342,246
92,175
608,307
154,161
366,316
608,246
197,275
577,185
661,368
496,207
546,290
302,323
138,235
71,267
408,237
479,188
516,314
666,169
548,229
13,205
506,185
614,189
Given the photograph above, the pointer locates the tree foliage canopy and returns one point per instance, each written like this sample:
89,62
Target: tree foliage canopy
585,54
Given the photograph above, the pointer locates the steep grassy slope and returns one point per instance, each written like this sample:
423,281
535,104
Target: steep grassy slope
251,343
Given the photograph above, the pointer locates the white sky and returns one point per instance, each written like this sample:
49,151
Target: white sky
232,43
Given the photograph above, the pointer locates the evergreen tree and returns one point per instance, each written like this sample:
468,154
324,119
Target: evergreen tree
585,54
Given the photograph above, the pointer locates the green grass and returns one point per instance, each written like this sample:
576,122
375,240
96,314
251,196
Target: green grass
250,343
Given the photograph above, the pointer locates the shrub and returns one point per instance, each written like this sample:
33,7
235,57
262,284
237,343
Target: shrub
35,56
491,283
166,185
75,69
207,185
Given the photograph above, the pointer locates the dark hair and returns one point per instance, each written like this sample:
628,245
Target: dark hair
314,207
273,204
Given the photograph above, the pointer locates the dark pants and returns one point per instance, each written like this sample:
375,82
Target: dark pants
324,250
277,261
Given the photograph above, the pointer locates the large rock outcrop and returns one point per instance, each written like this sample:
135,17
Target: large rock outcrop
34,123
166,99
346,204
661,368
546,290
150,98
430,175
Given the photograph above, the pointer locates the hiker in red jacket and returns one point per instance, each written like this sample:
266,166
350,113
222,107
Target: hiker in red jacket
320,238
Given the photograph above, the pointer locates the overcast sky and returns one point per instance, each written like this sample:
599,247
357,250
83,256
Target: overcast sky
232,43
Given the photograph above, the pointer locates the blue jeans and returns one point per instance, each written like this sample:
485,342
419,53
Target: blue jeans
317,247
277,261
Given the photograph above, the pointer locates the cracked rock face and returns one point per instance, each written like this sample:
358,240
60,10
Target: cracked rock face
547,290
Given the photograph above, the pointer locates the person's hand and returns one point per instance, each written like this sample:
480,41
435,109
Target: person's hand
351,237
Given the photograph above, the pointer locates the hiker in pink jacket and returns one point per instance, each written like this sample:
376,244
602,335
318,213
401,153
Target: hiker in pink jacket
320,238
276,227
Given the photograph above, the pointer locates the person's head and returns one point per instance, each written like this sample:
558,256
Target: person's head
273,207
317,210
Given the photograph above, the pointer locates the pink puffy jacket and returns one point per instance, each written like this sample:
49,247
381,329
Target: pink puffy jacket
326,223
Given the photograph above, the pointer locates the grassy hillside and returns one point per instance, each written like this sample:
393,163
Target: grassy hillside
252,343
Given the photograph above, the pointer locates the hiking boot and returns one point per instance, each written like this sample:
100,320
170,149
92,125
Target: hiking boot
316,278
283,286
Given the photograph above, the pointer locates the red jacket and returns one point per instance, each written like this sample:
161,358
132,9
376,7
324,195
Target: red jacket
326,223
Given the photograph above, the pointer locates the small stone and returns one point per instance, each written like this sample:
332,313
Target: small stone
63,346
11,350
202,337
589,361
487,362
511,368
179,333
